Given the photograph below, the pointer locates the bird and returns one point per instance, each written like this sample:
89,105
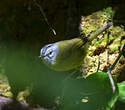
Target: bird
68,54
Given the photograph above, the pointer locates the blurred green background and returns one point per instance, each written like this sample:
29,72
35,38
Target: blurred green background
23,32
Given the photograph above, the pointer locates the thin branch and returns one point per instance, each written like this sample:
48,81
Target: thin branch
117,59
111,79
108,64
98,64
44,15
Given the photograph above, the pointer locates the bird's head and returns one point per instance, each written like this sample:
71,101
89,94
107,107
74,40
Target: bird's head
49,53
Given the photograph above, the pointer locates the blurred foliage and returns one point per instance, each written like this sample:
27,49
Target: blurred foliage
120,104
24,69
22,38
121,87
93,93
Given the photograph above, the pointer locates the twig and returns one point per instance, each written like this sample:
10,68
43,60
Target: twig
117,59
111,79
44,15
108,64
107,46
98,64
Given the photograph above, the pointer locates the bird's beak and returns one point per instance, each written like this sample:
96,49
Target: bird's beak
39,56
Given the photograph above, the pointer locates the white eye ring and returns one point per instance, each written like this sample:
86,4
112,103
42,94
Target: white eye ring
49,52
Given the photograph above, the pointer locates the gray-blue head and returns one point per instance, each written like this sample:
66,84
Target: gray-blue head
49,52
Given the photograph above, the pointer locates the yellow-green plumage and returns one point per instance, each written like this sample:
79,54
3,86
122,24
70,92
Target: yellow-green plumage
70,55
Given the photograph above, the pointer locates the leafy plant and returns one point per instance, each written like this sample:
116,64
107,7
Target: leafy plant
93,93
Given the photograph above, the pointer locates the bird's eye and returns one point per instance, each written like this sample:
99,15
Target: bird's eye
50,52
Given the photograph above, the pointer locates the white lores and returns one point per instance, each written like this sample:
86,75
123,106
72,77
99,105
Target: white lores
49,52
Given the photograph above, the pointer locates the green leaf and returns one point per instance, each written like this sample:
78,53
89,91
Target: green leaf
120,104
121,87
93,93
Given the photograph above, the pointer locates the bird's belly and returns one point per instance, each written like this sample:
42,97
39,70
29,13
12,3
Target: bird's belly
69,62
